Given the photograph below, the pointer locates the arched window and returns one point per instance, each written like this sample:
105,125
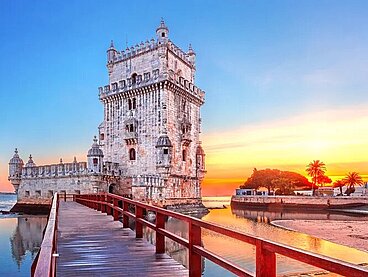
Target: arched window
132,154
134,78
95,161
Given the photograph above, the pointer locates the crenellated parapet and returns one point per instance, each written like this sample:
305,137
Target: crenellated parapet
53,170
127,88
149,46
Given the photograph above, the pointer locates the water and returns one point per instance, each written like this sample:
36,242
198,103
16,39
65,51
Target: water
257,223
21,237
7,201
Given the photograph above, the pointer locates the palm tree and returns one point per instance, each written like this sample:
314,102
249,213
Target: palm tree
339,184
352,179
316,169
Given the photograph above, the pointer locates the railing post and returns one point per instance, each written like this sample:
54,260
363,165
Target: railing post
195,260
138,225
125,217
98,204
115,212
160,238
103,205
108,208
265,261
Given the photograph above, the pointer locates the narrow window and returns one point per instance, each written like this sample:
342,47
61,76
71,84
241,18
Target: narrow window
132,154
166,151
129,104
134,104
134,78
95,161
102,136
184,155
163,35
131,128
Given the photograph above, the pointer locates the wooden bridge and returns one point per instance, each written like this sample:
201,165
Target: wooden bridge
85,237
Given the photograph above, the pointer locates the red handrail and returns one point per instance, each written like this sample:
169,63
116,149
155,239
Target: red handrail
266,250
45,262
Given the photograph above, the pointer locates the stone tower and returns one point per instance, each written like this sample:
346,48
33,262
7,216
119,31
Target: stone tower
152,121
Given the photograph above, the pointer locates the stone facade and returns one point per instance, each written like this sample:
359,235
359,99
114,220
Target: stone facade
148,144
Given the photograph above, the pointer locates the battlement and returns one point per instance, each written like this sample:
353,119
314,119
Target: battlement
52,170
124,86
150,45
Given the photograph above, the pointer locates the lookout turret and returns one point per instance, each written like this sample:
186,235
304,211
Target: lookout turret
95,156
15,170
162,31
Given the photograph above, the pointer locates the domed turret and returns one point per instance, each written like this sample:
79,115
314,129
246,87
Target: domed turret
163,141
200,161
15,170
30,162
95,156
164,154
191,55
111,53
162,31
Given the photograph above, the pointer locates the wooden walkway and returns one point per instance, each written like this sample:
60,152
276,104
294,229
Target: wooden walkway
91,243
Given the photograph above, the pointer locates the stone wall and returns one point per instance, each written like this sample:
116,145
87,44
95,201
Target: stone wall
45,187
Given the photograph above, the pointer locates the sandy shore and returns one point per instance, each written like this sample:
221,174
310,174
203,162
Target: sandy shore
350,233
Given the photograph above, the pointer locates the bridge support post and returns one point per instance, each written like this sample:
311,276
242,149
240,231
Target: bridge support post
195,260
160,238
265,261
138,225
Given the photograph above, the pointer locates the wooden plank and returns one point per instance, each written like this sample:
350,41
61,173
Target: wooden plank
91,243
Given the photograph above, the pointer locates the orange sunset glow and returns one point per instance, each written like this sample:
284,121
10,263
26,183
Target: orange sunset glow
338,137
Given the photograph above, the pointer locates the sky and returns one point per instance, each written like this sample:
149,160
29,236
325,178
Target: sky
285,81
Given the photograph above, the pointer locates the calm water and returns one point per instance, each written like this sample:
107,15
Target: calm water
21,236
258,223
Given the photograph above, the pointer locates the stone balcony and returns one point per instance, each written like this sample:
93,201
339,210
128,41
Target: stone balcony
131,137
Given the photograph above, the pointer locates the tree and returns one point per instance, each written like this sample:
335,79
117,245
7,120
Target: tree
323,180
352,179
273,179
316,169
339,184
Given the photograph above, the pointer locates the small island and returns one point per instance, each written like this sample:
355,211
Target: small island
274,189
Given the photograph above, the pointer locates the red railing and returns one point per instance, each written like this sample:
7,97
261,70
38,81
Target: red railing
266,250
45,261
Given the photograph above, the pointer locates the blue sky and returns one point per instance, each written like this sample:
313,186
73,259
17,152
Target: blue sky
258,61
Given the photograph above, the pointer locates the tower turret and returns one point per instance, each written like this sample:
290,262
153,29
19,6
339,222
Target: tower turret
191,55
200,162
111,53
164,154
95,156
162,32
15,170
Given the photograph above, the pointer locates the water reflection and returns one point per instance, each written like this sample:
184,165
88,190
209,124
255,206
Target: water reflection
257,222
20,239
